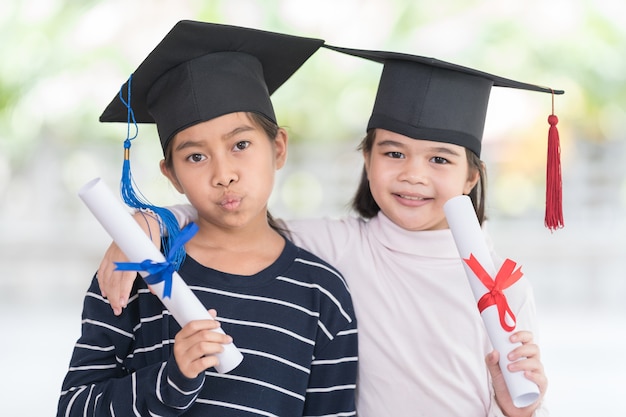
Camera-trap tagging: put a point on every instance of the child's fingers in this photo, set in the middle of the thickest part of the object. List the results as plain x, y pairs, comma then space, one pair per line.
523, 336
527, 358
198, 331
115, 285
104, 271
492, 364
526, 364
197, 326
533, 370
527, 349
196, 346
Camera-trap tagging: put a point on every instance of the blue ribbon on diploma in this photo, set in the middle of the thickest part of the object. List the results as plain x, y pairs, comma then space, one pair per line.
161, 271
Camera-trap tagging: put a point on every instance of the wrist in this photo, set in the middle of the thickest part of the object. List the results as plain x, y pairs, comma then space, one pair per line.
150, 224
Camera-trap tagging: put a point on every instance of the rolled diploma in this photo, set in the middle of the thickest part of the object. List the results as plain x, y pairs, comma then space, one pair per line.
132, 240
469, 239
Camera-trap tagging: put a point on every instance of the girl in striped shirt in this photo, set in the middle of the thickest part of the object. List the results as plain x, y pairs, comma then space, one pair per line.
207, 88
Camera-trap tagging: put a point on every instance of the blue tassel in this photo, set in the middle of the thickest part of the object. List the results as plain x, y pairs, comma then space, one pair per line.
133, 198
160, 271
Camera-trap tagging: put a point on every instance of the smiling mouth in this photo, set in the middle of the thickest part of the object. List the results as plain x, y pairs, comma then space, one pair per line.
412, 197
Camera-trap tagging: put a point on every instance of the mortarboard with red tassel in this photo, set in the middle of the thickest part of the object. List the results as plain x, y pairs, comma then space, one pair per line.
425, 98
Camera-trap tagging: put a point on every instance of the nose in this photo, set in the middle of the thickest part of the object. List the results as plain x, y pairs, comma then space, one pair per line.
224, 173
413, 172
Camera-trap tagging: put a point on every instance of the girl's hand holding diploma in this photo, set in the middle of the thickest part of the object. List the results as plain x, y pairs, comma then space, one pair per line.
196, 346
525, 358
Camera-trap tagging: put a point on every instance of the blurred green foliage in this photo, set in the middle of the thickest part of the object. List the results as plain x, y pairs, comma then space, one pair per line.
63, 60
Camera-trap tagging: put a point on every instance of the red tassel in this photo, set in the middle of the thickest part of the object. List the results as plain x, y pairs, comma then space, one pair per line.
554, 184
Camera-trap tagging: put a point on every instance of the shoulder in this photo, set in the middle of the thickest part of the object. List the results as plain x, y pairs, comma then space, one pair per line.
311, 271
314, 268
328, 289
328, 238
345, 224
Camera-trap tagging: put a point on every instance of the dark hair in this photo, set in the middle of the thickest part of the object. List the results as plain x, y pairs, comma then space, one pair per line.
364, 204
271, 130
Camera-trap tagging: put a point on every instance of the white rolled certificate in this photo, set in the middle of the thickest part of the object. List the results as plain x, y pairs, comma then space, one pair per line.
128, 235
470, 242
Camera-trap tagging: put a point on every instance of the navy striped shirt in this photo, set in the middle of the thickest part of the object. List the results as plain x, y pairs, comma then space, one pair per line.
293, 322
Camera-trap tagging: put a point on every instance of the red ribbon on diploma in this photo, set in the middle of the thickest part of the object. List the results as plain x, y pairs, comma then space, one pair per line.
506, 276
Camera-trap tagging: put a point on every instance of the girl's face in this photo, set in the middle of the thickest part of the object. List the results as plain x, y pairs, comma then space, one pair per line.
411, 179
226, 168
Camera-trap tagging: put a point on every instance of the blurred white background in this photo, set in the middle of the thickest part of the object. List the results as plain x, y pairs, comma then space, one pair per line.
63, 61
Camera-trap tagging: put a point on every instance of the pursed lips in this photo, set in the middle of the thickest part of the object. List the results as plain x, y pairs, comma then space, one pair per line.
230, 202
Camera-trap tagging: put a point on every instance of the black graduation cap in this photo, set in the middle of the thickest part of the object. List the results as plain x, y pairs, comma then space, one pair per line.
425, 98
200, 71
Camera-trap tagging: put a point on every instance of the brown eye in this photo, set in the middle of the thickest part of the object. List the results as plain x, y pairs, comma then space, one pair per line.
196, 157
395, 155
241, 145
